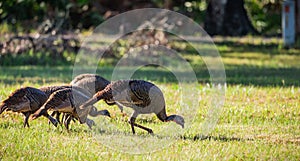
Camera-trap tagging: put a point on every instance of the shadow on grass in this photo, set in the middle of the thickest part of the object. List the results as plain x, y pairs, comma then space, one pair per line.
245, 75
248, 75
216, 138
249, 47
261, 46
192, 138
264, 46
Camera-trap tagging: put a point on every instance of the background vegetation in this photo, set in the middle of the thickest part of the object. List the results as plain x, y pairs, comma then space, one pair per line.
16, 15
260, 118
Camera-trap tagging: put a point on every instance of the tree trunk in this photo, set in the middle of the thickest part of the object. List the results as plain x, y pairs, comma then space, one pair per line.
227, 18
298, 18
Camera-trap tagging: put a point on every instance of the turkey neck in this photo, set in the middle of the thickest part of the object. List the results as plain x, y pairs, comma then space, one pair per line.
162, 116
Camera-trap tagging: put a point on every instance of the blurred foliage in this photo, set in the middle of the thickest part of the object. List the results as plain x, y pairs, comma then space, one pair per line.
37, 58
45, 15
26, 15
265, 15
196, 9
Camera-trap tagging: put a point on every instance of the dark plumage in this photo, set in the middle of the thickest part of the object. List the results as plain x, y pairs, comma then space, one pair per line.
90, 82
68, 100
48, 91
67, 117
24, 100
51, 89
143, 97
93, 83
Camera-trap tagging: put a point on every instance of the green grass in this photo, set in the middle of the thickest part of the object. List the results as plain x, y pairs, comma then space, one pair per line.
256, 123
259, 121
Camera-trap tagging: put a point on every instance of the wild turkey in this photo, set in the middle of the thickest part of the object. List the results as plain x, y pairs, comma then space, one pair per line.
90, 82
93, 83
48, 91
51, 89
25, 100
67, 117
143, 97
67, 101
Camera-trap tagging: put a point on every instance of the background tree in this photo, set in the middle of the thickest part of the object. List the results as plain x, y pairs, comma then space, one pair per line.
228, 17
219, 16
298, 18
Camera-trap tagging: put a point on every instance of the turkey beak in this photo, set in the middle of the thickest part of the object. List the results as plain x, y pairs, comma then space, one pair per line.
108, 114
105, 113
3, 107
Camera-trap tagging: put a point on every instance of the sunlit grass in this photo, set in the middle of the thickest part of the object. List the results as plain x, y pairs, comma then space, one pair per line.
255, 123
259, 120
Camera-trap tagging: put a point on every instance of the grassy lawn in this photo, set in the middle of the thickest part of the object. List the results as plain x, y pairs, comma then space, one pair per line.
260, 118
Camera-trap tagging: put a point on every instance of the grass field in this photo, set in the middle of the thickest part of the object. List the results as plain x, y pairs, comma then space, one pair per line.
260, 118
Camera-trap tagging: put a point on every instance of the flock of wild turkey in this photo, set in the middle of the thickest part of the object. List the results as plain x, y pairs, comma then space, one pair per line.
75, 101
